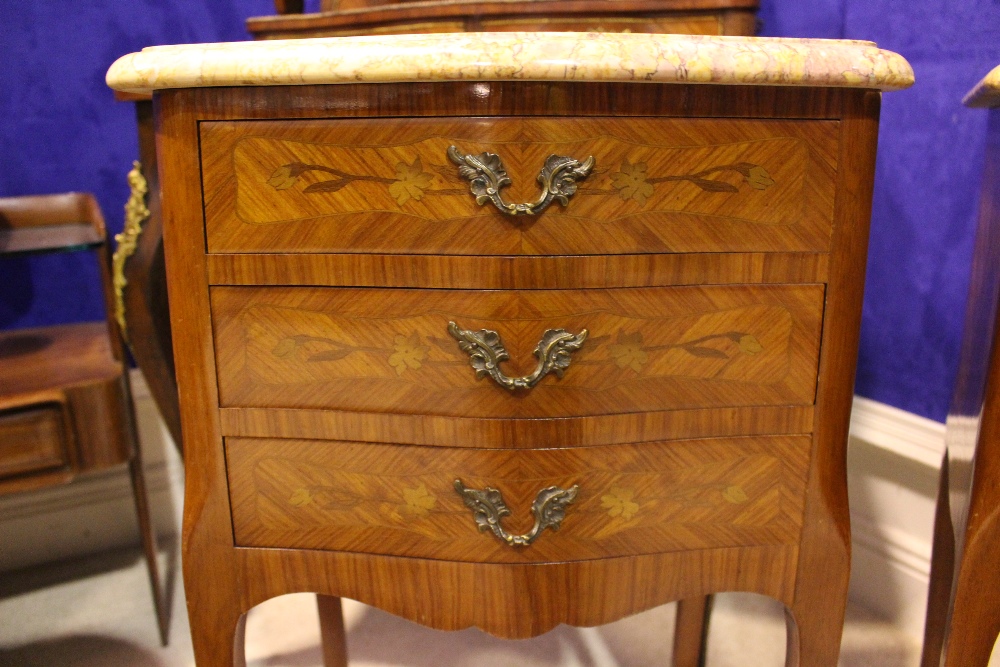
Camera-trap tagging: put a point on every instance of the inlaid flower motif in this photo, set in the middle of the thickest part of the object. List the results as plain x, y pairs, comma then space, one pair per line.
418, 501
300, 498
285, 176
619, 502
749, 344
759, 179
631, 182
627, 351
285, 347
408, 353
735, 494
411, 181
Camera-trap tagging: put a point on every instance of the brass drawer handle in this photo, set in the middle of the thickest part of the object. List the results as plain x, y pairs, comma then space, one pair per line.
486, 175
486, 352
488, 509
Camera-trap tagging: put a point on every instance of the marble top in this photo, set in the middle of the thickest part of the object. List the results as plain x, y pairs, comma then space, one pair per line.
563, 56
987, 92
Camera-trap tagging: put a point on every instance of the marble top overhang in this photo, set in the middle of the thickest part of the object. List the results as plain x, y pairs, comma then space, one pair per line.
987, 92
563, 56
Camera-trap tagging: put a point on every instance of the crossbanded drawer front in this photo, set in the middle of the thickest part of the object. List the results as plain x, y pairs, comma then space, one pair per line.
393, 350
627, 499
389, 185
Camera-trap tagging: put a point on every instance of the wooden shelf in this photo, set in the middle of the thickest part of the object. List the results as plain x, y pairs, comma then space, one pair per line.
50, 238
66, 355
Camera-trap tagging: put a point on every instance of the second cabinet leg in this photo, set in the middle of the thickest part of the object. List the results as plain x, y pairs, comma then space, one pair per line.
331, 627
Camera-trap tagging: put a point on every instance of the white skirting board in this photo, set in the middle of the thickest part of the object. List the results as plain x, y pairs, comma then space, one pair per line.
893, 463
892, 466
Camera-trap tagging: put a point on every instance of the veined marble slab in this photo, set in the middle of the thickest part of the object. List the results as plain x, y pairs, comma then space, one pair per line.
536, 56
987, 92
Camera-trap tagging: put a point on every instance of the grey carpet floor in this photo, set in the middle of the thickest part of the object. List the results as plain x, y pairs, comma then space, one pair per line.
96, 612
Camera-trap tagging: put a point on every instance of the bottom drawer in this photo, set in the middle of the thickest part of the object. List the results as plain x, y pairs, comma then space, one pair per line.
32, 440
629, 499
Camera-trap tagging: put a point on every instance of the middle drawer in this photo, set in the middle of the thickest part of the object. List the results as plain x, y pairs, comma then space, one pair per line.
394, 350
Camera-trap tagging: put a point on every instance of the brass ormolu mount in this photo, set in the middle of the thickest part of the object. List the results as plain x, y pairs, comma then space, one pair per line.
486, 351
488, 508
487, 176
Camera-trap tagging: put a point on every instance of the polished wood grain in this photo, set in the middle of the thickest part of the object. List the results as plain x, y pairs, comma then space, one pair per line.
35, 439
47, 239
633, 499
56, 210
515, 433
65, 402
73, 365
816, 616
515, 601
216, 612
389, 350
373, 17
681, 24
691, 632
519, 98
147, 316
67, 355
480, 272
659, 185
333, 637
665, 5
962, 624
809, 577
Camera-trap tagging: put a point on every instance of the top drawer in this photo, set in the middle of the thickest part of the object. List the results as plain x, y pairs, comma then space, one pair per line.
388, 186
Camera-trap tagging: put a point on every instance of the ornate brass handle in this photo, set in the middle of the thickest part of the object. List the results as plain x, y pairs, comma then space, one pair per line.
486, 175
486, 352
488, 508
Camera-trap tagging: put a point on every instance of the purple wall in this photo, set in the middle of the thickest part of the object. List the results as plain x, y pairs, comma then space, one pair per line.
60, 129
927, 182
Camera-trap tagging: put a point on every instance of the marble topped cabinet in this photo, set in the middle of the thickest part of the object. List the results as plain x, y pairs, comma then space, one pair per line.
513, 330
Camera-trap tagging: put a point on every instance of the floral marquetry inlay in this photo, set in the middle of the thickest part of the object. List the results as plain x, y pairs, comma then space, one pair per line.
629, 351
418, 501
410, 182
444, 502
407, 352
632, 181
359, 349
735, 494
619, 503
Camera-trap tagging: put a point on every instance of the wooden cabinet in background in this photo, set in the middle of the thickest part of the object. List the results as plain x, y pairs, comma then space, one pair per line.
962, 617
65, 404
340, 18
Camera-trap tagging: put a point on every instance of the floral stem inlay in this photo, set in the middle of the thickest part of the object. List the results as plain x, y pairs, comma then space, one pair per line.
632, 182
410, 182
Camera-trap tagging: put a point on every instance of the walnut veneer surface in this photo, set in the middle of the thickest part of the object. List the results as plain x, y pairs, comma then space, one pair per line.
329, 413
